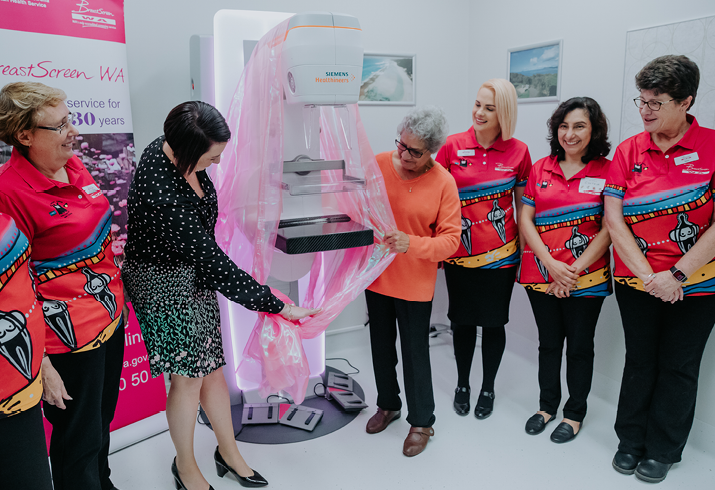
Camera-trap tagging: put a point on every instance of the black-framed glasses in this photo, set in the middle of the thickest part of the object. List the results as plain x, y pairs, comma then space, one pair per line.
61, 127
653, 105
414, 153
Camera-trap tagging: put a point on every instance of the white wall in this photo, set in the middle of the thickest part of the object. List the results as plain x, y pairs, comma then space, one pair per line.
594, 40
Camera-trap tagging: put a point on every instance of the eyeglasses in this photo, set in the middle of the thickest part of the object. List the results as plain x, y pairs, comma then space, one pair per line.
61, 127
653, 105
414, 153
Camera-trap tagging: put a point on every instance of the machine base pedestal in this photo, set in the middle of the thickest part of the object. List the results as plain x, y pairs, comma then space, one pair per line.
334, 418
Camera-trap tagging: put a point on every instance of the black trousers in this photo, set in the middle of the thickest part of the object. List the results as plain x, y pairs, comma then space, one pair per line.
412, 319
79, 447
23, 452
664, 347
572, 319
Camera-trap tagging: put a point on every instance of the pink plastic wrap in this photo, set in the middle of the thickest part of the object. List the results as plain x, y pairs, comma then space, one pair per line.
248, 185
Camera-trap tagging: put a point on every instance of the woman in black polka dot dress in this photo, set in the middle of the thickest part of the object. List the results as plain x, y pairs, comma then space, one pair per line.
172, 271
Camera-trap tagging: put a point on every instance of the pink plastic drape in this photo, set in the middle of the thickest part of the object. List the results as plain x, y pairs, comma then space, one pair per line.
248, 184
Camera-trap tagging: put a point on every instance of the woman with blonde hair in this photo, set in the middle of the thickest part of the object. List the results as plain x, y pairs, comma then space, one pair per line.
490, 168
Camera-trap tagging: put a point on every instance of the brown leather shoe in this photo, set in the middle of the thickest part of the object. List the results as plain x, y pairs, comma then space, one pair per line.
416, 440
381, 420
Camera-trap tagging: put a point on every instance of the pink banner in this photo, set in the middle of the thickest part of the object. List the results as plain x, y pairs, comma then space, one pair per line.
102, 20
140, 395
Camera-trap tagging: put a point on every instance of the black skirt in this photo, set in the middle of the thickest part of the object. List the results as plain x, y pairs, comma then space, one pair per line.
479, 296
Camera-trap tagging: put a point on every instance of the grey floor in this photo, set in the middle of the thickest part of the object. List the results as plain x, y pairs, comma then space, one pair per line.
465, 453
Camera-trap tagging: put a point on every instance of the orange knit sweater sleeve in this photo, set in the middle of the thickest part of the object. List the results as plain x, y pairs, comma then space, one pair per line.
428, 210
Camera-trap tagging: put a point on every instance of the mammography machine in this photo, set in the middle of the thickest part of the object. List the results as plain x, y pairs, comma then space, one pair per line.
321, 65
320, 74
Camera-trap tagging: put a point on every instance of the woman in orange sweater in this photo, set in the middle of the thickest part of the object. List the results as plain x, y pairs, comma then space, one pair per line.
425, 202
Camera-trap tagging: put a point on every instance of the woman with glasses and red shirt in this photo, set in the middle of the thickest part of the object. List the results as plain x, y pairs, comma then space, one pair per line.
425, 203
490, 168
58, 206
659, 211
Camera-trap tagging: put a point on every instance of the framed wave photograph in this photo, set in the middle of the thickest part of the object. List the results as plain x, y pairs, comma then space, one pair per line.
535, 71
387, 79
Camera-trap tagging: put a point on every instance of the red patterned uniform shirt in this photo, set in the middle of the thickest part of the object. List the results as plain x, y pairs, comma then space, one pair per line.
22, 329
568, 216
667, 201
77, 276
486, 179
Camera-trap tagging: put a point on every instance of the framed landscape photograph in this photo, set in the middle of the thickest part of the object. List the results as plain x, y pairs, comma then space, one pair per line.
388, 79
535, 71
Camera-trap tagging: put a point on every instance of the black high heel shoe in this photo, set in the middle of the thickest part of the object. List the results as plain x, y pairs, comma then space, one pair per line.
256, 480
485, 405
461, 400
177, 479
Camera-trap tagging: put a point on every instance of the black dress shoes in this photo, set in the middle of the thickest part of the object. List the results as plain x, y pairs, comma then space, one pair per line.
563, 433
625, 463
536, 424
177, 479
485, 405
461, 400
652, 471
256, 480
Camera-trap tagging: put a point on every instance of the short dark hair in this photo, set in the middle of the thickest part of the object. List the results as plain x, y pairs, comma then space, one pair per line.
674, 75
190, 130
599, 144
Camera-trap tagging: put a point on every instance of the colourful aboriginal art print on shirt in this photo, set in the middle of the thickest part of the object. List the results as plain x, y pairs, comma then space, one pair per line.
77, 275
568, 216
22, 330
667, 201
486, 179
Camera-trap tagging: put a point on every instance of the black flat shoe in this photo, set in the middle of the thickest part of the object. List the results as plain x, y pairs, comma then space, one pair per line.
536, 425
461, 400
625, 463
177, 479
485, 405
256, 480
652, 471
564, 433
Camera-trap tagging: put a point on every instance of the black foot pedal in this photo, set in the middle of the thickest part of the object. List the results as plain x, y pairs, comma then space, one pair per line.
301, 417
260, 413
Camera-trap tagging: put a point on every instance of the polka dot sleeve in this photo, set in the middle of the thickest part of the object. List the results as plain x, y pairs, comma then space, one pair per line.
170, 224
180, 227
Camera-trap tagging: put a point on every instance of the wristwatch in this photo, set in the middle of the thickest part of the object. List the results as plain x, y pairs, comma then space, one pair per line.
678, 274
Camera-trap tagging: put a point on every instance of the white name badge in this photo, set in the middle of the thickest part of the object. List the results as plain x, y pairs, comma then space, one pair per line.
90, 189
465, 153
589, 185
690, 157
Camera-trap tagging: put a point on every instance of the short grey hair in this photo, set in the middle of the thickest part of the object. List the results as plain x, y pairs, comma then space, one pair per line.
429, 124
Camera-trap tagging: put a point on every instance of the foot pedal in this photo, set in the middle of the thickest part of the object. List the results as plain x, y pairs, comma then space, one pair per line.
260, 413
348, 400
340, 381
301, 417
